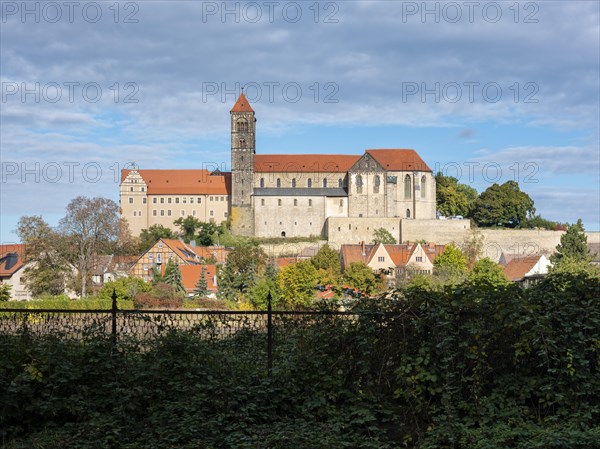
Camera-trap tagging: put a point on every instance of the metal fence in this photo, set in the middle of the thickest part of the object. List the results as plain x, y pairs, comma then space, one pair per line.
249, 331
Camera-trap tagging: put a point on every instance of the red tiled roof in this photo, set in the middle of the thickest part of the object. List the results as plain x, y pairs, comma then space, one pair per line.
242, 104
304, 163
354, 253
220, 253
186, 182
191, 273
399, 160
183, 250
11, 259
517, 268
399, 253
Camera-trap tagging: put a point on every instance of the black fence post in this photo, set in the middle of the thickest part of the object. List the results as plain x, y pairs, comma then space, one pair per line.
269, 335
114, 317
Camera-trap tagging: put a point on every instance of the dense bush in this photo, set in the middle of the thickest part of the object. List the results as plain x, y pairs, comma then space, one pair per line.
162, 296
478, 366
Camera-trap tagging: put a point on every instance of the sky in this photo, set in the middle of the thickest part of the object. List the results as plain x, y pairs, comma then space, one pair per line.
484, 91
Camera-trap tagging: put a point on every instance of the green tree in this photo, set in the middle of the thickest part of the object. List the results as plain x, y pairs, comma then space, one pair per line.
188, 227
382, 235
297, 283
572, 246
46, 267
451, 257
327, 259
173, 276
5, 292
359, 276
227, 283
260, 291
452, 197
201, 288
246, 258
503, 205
153, 234
126, 288
488, 272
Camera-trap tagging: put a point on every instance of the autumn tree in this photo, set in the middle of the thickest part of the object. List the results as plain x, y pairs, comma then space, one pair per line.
46, 267
297, 284
90, 227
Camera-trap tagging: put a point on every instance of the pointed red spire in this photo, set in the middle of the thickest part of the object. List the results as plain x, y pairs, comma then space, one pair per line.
242, 105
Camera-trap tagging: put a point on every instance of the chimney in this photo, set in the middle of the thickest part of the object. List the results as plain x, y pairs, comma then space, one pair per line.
362, 246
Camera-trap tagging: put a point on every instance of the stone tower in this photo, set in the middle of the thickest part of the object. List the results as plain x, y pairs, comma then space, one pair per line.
243, 148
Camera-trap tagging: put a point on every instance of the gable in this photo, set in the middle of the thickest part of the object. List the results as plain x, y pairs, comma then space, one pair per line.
366, 164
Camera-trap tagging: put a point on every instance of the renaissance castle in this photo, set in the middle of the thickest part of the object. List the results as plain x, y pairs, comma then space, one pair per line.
285, 195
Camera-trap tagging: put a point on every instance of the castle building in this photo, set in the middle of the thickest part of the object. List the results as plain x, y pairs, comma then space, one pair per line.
284, 195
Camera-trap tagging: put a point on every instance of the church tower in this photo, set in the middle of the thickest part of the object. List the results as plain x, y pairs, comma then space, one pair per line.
243, 148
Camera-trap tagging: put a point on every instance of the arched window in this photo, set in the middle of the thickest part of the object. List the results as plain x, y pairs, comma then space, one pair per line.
423, 185
262, 182
376, 183
324, 183
294, 183
278, 183
242, 126
407, 213
407, 187
242, 143
340, 183
359, 184
309, 183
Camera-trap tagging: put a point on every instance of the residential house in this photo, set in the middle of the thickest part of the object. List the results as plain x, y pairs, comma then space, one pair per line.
11, 270
190, 274
527, 270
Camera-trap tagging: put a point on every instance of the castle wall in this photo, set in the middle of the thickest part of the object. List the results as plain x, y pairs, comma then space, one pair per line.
342, 230
300, 216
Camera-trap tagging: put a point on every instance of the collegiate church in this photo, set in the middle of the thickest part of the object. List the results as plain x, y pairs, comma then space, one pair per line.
285, 195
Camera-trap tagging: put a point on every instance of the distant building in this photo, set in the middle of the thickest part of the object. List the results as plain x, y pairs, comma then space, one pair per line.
11, 270
110, 267
190, 274
527, 270
179, 252
283, 195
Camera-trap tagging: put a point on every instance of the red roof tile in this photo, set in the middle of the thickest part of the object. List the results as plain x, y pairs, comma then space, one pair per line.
191, 273
517, 268
399, 160
242, 104
11, 259
184, 182
304, 163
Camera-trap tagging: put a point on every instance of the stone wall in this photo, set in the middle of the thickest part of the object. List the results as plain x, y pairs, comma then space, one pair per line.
342, 230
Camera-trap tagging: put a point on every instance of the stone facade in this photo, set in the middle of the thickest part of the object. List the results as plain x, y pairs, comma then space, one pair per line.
284, 195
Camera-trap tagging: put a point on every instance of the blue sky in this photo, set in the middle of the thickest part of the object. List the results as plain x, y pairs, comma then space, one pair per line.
509, 90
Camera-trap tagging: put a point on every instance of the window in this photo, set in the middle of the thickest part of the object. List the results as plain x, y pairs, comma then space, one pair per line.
242, 126
341, 203
325, 183
135, 213
131, 189
162, 201
278, 183
143, 189
423, 184
177, 200
169, 200
211, 198
144, 200
376, 183
407, 187
183, 200
340, 183
130, 200
212, 213
150, 256
199, 200
242, 145
419, 258
154, 213
407, 213
145, 267
162, 212
295, 202
191, 200
153, 200
293, 183
182, 213
225, 214
380, 259
194, 213
262, 183
310, 203
309, 183
262, 202
279, 202
169, 213
359, 184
